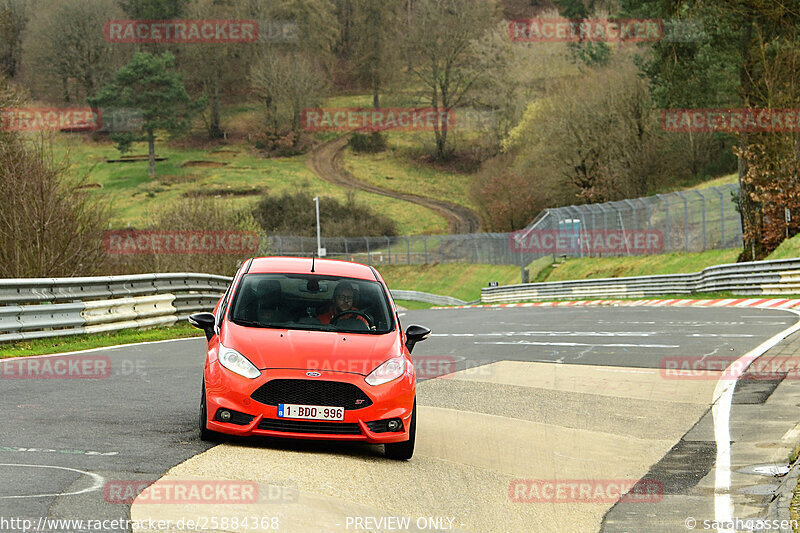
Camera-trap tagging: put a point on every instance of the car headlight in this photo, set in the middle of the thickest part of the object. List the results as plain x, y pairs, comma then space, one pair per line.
236, 362
386, 372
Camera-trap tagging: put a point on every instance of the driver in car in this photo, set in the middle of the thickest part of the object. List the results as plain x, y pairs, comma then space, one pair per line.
343, 297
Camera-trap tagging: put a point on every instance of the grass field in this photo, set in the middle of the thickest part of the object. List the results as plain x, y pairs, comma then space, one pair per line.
392, 170
100, 340
615, 267
218, 172
459, 280
788, 248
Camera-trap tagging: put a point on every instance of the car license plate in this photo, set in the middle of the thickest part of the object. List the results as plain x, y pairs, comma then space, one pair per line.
310, 412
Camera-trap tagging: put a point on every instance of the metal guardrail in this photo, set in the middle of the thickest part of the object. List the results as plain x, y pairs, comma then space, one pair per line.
416, 296
54, 307
71, 306
756, 278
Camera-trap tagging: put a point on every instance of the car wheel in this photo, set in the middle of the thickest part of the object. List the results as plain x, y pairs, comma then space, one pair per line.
403, 451
206, 434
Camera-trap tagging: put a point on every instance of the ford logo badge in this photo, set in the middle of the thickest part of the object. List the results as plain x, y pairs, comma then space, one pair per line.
313, 374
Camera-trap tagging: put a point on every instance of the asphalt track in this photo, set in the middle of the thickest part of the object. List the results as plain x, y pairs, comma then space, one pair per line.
525, 393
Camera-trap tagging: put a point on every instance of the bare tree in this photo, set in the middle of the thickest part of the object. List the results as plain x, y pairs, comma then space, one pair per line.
66, 55
599, 133
287, 84
439, 43
376, 56
216, 70
13, 19
49, 226
514, 74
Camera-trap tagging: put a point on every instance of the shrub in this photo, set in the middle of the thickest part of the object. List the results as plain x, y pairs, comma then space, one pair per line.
192, 214
373, 143
294, 213
49, 225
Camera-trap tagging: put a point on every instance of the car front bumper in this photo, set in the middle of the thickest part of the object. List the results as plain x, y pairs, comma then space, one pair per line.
226, 390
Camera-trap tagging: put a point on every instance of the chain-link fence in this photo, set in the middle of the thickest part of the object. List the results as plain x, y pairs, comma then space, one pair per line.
490, 248
691, 221
695, 220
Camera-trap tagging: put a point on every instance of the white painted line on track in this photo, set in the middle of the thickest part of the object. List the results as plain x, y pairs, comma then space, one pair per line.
534, 343
97, 485
721, 411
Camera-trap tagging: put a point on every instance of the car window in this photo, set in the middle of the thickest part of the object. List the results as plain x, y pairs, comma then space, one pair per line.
311, 302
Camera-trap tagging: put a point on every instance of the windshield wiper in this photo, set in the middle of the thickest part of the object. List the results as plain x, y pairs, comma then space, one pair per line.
250, 323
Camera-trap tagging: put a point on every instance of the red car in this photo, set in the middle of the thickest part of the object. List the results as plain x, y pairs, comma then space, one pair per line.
309, 349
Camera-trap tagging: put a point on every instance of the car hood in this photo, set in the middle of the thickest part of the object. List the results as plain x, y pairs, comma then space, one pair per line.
312, 350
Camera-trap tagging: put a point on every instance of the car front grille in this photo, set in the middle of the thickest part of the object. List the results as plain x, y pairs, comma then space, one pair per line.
298, 426
312, 392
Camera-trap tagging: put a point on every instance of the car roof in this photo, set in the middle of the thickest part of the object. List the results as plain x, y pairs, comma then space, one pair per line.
302, 265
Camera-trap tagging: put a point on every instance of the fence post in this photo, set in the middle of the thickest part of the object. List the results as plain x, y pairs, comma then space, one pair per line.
280, 245
408, 250
425, 240
685, 219
369, 259
721, 216
389, 249
346, 252
633, 208
649, 215
666, 203
703, 209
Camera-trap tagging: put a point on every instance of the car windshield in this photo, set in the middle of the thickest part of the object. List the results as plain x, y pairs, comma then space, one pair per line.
310, 302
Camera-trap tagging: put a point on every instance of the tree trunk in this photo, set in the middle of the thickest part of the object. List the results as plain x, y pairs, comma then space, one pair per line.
748, 210
151, 143
214, 128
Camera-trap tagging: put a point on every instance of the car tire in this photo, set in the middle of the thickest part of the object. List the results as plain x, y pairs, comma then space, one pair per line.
206, 435
403, 451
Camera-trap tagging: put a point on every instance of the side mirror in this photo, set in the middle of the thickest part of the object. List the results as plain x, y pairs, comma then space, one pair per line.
204, 321
415, 334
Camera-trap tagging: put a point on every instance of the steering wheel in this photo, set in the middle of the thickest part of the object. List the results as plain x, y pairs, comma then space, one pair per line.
368, 318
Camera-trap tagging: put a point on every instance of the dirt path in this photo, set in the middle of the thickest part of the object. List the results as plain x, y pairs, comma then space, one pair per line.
326, 162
